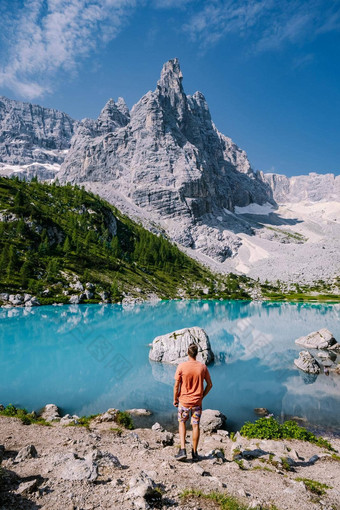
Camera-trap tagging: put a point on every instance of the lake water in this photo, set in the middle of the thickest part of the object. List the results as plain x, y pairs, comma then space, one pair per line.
88, 358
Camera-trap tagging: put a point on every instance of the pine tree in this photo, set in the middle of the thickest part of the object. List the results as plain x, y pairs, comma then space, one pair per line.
67, 246
4, 258
52, 268
25, 273
115, 248
20, 230
19, 199
12, 261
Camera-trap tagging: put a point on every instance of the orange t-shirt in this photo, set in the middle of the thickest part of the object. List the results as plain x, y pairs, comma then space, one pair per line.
191, 374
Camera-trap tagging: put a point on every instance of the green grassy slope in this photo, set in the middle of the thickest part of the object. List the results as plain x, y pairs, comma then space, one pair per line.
52, 235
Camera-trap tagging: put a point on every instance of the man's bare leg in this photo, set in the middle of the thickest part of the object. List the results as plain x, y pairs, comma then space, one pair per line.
195, 436
182, 433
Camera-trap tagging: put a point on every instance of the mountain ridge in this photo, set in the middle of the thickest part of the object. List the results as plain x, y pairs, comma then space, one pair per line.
165, 164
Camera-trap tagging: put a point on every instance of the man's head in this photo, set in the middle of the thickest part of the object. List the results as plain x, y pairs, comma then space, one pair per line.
192, 351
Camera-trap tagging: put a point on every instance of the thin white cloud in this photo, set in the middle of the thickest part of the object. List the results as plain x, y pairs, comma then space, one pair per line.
47, 37
170, 4
264, 24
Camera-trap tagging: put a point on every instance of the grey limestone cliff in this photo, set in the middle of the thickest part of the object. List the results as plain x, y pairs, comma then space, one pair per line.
312, 187
33, 134
168, 159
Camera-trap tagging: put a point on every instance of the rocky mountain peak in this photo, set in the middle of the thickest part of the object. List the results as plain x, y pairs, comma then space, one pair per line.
32, 134
112, 117
122, 107
171, 77
170, 90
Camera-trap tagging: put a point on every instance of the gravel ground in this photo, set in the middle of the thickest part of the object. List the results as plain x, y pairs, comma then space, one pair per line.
122, 484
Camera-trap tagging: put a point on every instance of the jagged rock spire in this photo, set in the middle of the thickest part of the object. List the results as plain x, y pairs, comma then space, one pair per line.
111, 117
170, 88
171, 77
122, 107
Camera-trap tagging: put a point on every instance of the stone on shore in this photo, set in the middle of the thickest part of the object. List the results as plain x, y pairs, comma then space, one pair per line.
68, 419
139, 412
143, 491
322, 339
307, 363
212, 420
27, 488
73, 468
173, 347
108, 416
28, 452
50, 413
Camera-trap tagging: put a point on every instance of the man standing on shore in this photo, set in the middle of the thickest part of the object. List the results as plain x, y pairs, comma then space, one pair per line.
189, 392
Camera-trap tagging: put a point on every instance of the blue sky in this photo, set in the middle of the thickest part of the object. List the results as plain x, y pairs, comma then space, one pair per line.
270, 70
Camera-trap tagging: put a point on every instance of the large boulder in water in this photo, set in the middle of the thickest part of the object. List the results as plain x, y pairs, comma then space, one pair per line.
307, 363
322, 339
173, 347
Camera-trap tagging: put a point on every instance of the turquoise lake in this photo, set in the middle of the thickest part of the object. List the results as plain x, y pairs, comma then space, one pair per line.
89, 358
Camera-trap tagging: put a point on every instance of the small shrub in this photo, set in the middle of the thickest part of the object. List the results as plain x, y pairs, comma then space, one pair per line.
84, 421
269, 428
225, 501
285, 464
240, 463
22, 414
9, 410
314, 486
117, 430
123, 418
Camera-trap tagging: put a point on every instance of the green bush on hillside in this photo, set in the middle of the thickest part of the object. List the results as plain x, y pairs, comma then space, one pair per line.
269, 428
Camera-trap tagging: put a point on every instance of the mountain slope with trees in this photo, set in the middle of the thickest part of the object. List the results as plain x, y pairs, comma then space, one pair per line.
54, 239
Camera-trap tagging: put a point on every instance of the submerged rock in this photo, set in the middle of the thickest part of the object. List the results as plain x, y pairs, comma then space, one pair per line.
322, 339
139, 412
173, 347
307, 363
261, 411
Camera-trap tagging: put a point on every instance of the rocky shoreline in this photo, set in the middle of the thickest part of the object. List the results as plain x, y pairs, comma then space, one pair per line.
105, 466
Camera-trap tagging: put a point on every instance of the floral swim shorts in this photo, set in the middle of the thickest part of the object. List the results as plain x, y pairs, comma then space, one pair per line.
184, 412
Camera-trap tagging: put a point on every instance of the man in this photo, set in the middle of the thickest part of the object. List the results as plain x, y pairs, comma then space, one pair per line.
189, 392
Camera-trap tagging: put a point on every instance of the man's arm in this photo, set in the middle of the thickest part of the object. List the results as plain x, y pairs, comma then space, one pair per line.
209, 384
177, 390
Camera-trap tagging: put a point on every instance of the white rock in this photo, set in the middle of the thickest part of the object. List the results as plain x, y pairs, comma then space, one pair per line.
142, 488
28, 452
50, 413
27, 488
322, 339
75, 300
212, 420
72, 468
157, 427
173, 347
109, 415
139, 412
307, 363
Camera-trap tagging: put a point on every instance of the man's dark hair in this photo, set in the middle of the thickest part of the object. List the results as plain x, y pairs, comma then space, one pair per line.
192, 350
